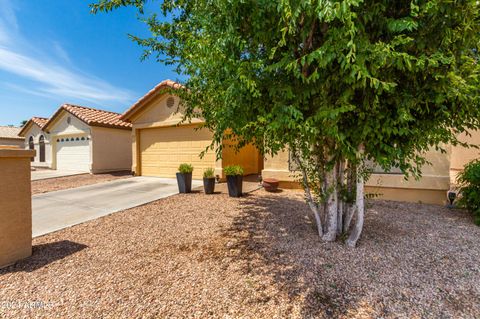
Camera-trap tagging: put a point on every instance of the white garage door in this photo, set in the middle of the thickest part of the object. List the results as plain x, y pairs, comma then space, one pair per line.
73, 153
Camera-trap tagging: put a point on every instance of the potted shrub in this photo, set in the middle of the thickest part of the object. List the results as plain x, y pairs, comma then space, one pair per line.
184, 178
234, 175
209, 180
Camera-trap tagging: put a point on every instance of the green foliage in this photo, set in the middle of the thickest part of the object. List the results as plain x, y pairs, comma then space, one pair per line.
185, 168
469, 189
233, 170
335, 83
209, 173
323, 77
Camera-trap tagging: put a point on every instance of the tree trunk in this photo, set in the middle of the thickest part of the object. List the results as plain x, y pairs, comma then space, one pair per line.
308, 194
350, 207
360, 210
331, 207
341, 204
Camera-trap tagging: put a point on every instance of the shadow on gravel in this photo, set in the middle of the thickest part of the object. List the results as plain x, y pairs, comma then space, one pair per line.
44, 254
405, 250
275, 238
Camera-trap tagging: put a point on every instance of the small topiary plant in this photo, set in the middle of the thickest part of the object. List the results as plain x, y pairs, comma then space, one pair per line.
469, 189
185, 168
209, 173
233, 170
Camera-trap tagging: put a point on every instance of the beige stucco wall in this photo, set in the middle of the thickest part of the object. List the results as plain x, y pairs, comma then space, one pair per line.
431, 188
277, 167
35, 131
15, 205
425, 196
111, 149
135, 144
61, 127
462, 155
157, 114
12, 142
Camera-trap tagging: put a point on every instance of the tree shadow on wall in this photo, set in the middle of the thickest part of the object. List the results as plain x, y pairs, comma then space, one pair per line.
43, 255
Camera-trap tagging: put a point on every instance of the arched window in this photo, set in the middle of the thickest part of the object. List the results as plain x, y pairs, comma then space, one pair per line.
41, 142
31, 146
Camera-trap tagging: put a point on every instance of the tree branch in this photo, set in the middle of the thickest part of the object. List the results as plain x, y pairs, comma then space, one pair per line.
311, 203
360, 206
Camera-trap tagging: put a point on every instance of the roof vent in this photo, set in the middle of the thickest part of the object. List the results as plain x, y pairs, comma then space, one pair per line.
170, 102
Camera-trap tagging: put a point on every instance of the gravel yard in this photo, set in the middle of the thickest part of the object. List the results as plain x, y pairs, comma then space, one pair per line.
56, 184
204, 256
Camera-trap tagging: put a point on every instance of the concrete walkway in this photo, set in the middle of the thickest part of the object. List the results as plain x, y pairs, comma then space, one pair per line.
61, 209
53, 173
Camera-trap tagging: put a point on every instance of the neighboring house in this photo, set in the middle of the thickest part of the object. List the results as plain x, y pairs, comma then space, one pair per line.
9, 136
160, 143
431, 188
86, 139
34, 138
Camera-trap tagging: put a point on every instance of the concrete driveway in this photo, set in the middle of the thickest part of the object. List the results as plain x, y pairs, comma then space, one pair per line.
61, 209
53, 173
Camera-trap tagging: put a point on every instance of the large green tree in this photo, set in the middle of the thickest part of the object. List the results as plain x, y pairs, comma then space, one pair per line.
335, 83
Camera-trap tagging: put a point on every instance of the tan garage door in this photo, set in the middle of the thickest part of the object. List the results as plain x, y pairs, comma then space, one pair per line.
162, 150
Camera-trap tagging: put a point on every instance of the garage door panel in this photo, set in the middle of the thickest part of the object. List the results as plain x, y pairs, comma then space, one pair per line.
73, 153
162, 150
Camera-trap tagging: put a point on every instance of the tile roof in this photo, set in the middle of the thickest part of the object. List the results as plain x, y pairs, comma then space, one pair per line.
159, 88
10, 132
93, 117
40, 121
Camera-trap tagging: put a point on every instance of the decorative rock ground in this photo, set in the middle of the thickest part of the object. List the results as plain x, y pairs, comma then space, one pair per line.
204, 256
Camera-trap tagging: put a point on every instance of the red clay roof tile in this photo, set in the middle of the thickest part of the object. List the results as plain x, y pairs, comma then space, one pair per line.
150, 94
93, 117
40, 121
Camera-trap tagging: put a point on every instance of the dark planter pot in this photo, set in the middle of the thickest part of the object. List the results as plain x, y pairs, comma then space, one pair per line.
184, 182
234, 183
209, 185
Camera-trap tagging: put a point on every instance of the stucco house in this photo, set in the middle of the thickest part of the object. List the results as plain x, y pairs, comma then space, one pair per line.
87, 139
431, 188
9, 136
160, 142
80, 138
34, 138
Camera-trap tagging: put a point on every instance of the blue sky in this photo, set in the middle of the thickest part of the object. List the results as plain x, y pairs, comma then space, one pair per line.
54, 52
